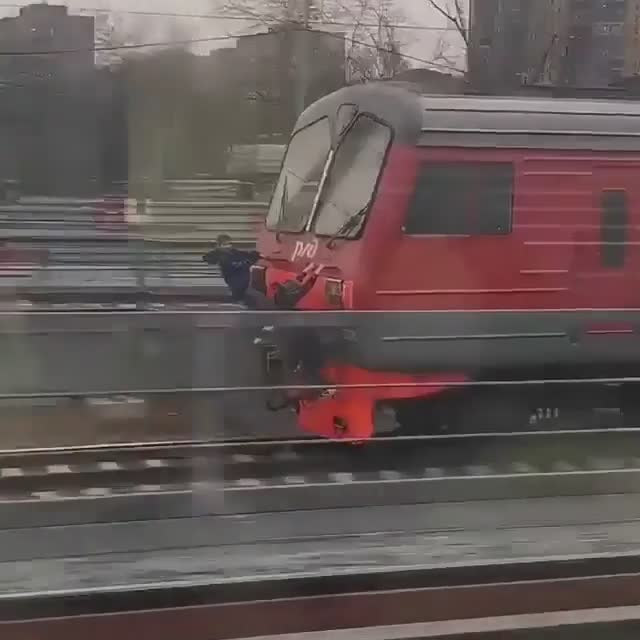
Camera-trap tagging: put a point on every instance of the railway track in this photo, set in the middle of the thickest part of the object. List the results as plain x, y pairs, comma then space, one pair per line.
150, 303
575, 595
277, 475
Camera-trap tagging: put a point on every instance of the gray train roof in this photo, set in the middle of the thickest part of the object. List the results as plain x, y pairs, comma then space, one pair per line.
471, 121
490, 122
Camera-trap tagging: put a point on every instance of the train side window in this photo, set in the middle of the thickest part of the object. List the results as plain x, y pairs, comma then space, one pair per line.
614, 218
462, 198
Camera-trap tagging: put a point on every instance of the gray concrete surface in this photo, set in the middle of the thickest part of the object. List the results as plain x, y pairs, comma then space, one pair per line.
48, 364
93, 277
331, 556
96, 534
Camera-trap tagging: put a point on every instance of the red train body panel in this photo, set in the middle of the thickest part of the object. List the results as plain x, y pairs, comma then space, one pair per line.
495, 235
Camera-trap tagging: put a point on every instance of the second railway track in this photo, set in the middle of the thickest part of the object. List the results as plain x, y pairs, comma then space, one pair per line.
285, 475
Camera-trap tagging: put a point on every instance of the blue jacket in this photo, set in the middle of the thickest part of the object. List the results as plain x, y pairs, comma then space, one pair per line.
235, 266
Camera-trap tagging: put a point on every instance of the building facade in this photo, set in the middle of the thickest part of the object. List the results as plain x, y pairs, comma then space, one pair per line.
497, 44
596, 50
547, 42
577, 43
273, 76
48, 102
632, 39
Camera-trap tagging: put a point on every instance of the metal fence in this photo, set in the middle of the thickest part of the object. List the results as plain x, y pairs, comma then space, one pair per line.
209, 190
154, 238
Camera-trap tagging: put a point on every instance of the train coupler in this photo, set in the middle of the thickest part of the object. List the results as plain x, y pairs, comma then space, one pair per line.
280, 399
339, 414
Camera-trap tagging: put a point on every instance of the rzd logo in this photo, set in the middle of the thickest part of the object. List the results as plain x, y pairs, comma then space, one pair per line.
305, 250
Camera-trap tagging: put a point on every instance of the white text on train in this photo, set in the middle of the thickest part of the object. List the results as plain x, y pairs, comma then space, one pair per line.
305, 250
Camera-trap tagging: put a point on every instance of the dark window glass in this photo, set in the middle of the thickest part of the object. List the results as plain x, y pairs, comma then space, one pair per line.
300, 177
462, 199
614, 215
353, 177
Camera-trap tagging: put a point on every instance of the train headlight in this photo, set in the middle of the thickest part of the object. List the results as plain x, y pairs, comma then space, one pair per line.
334, 292
258, 279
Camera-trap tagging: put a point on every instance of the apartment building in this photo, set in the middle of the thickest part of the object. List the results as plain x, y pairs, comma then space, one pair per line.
578, 43
596, 48
47, 102
497, 43
547, 42
632, 39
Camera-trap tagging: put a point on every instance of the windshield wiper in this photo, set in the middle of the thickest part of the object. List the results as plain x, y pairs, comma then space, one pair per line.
349, 224
283, 206
283, 200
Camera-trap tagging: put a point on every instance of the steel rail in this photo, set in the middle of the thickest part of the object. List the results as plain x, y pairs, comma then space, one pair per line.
406, 454
113, 295
148, 445
312, 441
152, 391
557, 625
226, 610
171, 493
291, 474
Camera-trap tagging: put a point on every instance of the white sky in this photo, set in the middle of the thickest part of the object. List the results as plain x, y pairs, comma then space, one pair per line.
416, 12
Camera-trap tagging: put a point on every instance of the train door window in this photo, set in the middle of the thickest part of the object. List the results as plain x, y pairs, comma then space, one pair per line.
614, 218
462, 198
300, 177
353, 177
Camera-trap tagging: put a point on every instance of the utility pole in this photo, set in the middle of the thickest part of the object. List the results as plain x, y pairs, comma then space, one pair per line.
380, 55
302, 48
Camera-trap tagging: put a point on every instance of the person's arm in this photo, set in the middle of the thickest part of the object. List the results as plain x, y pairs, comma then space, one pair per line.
211, 257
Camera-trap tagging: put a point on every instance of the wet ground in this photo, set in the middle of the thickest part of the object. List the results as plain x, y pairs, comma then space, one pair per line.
77, 423
66, 422
297, 558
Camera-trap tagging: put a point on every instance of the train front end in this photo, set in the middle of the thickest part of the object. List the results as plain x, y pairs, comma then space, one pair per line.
347, 169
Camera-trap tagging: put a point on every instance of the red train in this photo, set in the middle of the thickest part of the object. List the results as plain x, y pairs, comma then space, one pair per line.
499, 236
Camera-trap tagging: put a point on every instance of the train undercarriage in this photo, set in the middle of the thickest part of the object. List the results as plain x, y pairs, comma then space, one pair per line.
342, 401
570, 376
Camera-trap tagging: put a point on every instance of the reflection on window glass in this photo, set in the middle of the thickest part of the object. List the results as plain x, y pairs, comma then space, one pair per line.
353, 176
299, 180
462, 198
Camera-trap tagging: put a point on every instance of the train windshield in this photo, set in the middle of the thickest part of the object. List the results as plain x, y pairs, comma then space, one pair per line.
352, 179
300, 177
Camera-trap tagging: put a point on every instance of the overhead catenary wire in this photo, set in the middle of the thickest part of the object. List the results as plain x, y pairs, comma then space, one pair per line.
265, 20
245, 18
190, 41
119, 47
394, 52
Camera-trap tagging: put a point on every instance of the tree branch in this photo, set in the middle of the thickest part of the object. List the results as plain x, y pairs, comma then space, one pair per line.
455, 15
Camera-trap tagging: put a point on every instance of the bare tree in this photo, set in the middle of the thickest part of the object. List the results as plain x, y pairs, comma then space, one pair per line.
373, 50
109, 33
447, 52
114, 32
260, 13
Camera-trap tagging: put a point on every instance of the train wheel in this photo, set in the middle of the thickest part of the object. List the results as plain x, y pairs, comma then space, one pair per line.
434, 416
495, 411
465, 411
